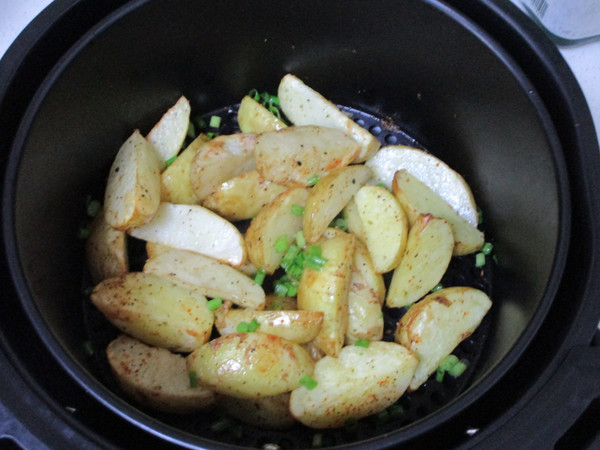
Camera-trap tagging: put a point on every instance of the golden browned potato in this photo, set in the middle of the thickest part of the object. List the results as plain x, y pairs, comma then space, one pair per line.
176, 184
132, 193
276, 219
250, 365
428, 253
417, 198
271, 413
208, 276
295, 326
155, 377
436, 174
367, 292
329, 196
155, 310
194, 228
293, 156
242, 197
327, 289
305, 106
433, 327
167, 136
219, 160
106, 250
255, 118
383, 226
360, 382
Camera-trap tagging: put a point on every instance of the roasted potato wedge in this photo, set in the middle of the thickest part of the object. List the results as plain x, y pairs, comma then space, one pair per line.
271, 413
328, 198
327, 289
219, 160
295, 326
168, 134
155, 377
243, 196
194, 228
293, 156
360, 382
274, 220
274, 302
175, 181
207, 275
366, 295
432, 171
416, 199
433, 327
305, 106
132, 193
155, 310
428, 252
250, 365
106, 250
384, 226
255, 118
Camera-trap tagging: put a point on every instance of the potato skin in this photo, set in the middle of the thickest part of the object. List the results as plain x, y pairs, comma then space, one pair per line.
106, 250
434, 326
360, 382
132, 192
293, 155
271, 413
250, 365
155, 310
327, 289
155, 377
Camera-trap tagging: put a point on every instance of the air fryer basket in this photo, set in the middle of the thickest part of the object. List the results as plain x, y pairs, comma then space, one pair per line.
420, 64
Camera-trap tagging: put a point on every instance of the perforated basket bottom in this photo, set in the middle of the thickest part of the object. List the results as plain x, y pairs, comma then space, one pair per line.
431, 396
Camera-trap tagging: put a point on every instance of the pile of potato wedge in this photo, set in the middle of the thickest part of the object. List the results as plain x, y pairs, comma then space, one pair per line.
200, 329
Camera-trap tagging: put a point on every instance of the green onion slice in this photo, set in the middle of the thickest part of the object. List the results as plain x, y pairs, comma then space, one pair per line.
214, 303
362, 343
170, 161
313, 180
308, 382
259, 277
215, 122
298, 210
479, 259
281, 244
193, 379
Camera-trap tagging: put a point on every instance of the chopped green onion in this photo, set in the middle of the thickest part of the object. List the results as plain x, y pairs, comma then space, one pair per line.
281, 244
314, 250
479, 260
340, 223
457, 369
317, 440
88, 348
313, 180
362, 343
191, 131
84, 231
253, 325
243, 327
280, 289
298, 210
487, 248
437, 287
445, 366
193, 379
221, 424
215, 303
215, 122
211, 135
308, 382
259, 278
381, 185
314, 262
92, 207
396, 411
254, 94
170, 161
300, 241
